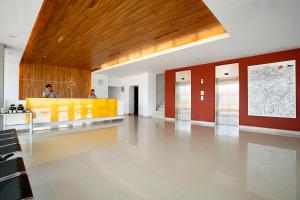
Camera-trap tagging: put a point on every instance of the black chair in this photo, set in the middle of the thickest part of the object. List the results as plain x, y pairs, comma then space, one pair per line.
9, 141
17, 187
11, 167
8, 151
8, 131
7, 134
9, 144
14, 182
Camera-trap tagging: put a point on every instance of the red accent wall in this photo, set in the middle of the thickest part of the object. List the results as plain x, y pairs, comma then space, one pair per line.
170, 94
205, 110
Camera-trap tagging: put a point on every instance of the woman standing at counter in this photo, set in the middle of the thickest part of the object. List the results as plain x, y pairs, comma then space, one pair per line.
48, 92
92, 95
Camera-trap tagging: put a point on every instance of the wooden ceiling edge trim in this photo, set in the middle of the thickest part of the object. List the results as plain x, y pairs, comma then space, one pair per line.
93, 70
107, 65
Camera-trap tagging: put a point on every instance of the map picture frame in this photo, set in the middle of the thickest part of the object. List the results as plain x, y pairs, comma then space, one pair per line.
272, 89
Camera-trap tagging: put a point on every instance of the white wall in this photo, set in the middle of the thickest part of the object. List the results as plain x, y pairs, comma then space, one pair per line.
11, 73
131, 100
1, 77
151, 93
12, 58
11, 80
114, 92
114, 82
100, 90
140, 81
147, 93
160, 88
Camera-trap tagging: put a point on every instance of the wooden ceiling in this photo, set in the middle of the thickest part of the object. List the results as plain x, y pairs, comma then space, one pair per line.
94, 34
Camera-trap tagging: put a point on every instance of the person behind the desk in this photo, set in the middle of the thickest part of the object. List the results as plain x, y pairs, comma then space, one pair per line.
48, 92
92, 95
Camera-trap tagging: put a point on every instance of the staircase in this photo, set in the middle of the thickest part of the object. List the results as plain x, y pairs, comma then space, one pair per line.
160, 111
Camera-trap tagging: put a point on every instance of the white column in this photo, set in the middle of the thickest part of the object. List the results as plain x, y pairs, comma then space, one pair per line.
1, 82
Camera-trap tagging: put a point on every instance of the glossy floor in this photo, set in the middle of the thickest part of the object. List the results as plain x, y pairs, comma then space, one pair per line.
154, 159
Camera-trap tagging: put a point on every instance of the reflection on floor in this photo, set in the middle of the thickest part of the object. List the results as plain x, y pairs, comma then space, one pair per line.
154, 159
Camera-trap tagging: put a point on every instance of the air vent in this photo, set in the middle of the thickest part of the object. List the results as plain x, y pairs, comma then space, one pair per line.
113, 54
93, 3
12, 36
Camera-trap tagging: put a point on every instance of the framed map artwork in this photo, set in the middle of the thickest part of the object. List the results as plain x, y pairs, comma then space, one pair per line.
272, 89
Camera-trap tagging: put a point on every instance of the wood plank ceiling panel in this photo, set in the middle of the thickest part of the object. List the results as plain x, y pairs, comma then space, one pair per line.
34, 77
96, 33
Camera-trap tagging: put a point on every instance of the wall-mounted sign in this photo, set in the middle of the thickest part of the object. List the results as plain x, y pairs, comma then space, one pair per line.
227, 71
183, 76
100, 82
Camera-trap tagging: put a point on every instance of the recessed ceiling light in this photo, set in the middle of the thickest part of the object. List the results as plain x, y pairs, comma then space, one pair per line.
60, 39
12, 36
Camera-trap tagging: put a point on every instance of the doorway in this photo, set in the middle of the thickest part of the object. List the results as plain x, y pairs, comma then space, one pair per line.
227, 101
136, 100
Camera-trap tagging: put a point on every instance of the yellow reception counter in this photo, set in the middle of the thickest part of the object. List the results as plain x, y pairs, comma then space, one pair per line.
59, 109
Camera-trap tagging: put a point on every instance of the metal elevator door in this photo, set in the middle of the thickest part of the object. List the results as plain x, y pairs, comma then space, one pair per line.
183, 100
227, 101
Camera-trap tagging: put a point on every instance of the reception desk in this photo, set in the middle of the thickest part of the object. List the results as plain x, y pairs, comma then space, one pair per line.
60, 109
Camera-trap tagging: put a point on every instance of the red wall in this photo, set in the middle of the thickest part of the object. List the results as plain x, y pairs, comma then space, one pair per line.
170, 94
205, 110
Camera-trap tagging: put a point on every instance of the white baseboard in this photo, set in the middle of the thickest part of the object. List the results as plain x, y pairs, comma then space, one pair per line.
270, 131
139, 115
203, 123
128, 114
72, 122
199, 123
145, 116
169, 119
248, 128
158, 117
72, 130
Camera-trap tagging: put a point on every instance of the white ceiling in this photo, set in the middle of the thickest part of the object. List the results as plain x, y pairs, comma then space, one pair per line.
255, 27
17, 18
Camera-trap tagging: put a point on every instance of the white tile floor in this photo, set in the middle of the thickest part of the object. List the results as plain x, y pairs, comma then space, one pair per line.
153, 159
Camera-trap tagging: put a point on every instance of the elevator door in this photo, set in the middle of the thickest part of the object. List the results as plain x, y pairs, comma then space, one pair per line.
183, 100
227, 104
